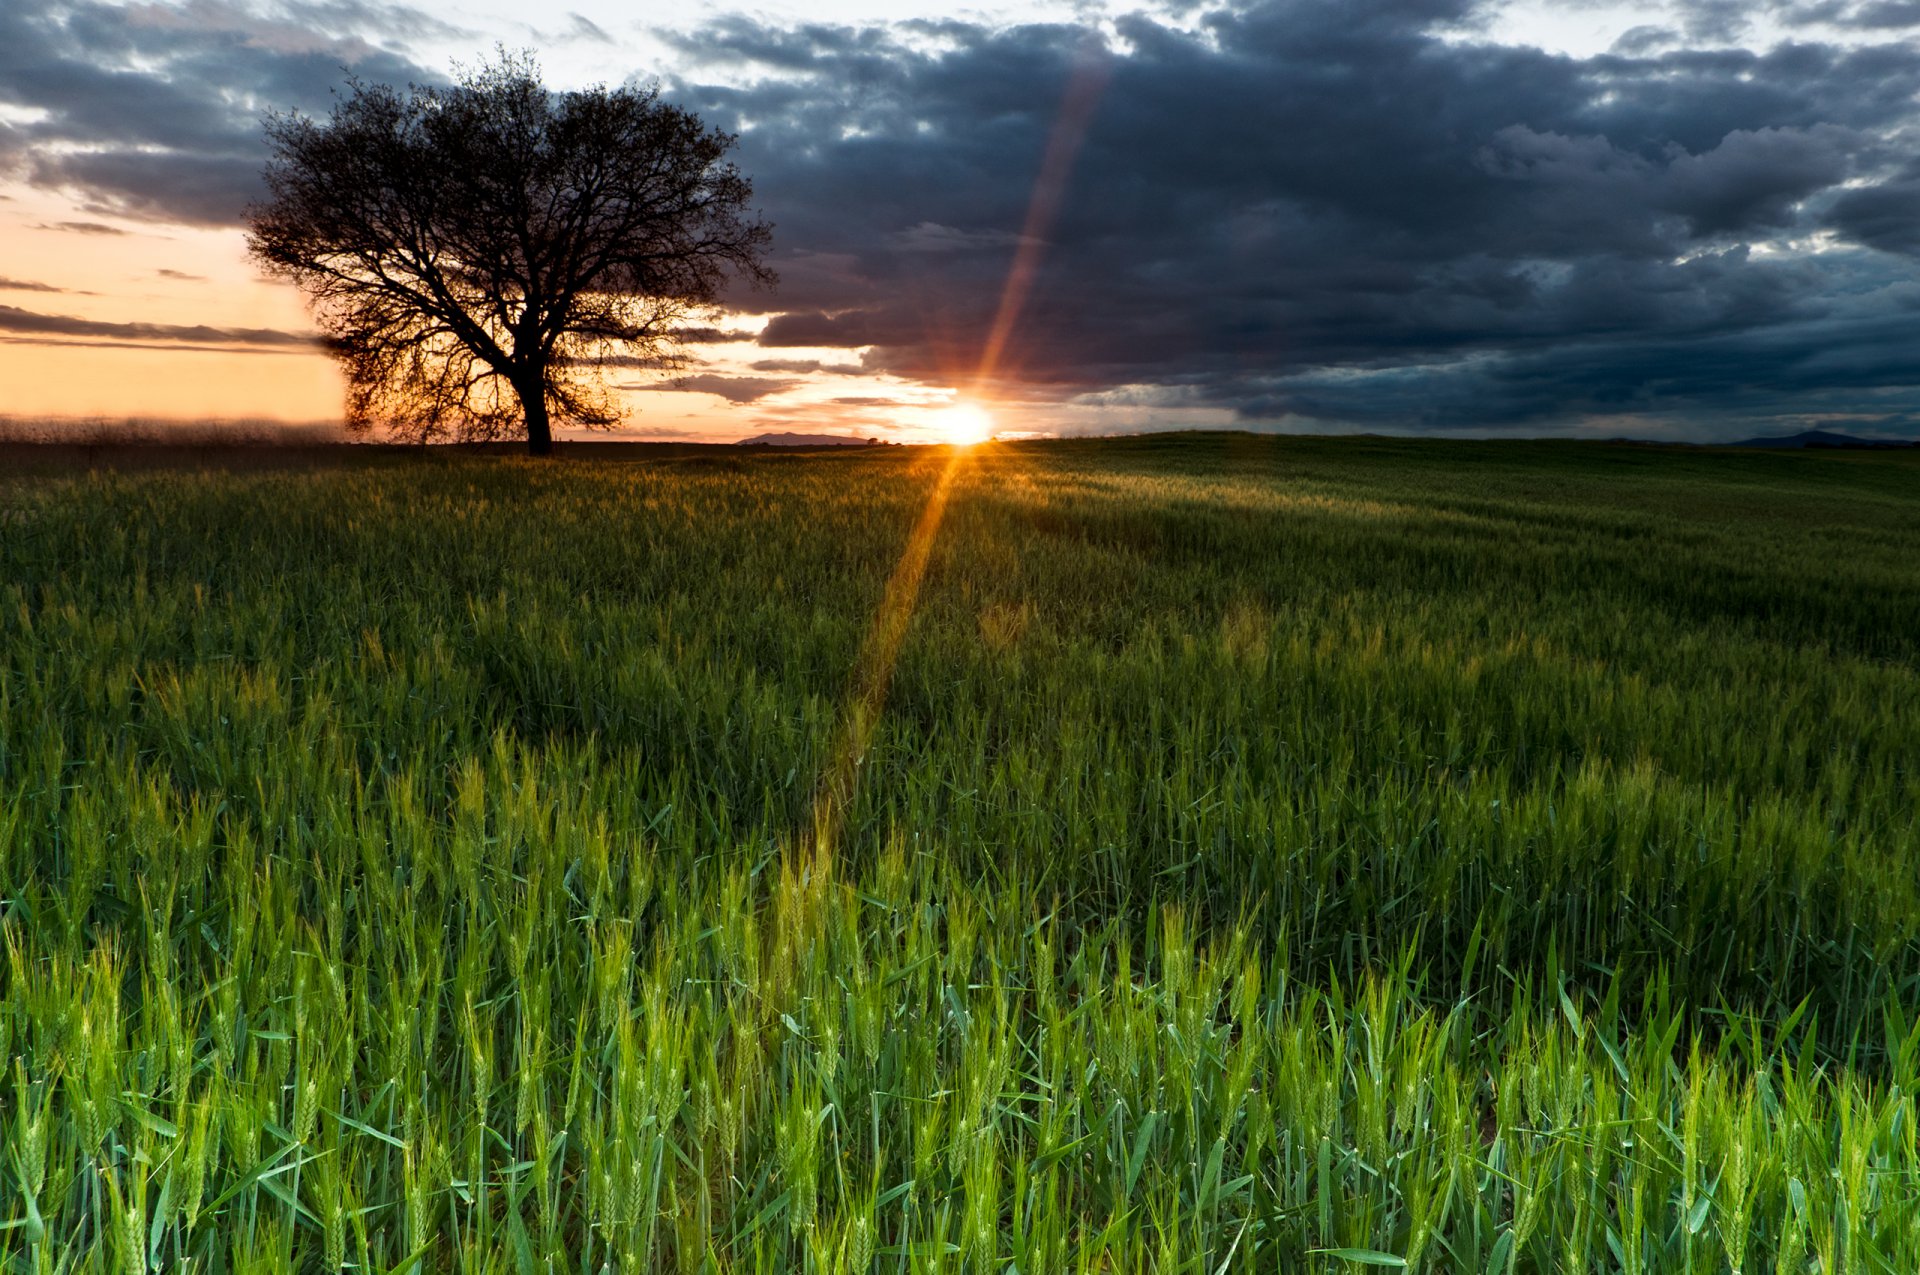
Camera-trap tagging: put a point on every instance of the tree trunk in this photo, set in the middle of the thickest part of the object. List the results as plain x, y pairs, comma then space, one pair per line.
533, 401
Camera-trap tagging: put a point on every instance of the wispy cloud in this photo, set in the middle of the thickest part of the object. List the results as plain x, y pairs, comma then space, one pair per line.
80, 227
26, 285
735, 389
801, 367
35, 324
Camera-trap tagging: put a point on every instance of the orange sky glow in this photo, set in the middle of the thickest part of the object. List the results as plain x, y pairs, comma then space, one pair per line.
108, 270
119, 319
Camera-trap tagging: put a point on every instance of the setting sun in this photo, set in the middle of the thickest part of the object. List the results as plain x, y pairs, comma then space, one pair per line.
964, 424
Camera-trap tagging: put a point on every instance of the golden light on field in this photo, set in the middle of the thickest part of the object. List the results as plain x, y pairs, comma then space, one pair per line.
964, 424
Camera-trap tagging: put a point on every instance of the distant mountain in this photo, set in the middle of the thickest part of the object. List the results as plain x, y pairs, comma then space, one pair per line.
1822, 438
803, 440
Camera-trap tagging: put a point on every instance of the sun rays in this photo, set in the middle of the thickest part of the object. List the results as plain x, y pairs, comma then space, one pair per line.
839, 780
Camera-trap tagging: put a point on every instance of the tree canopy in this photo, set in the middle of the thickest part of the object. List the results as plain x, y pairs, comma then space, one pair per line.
478, 255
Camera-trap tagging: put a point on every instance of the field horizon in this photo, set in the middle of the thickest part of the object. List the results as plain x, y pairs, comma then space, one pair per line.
184, 444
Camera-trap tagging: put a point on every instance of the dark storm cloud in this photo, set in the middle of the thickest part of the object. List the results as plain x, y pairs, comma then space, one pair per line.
1316, 211
32, 323
1797, 370
153, 110
1885, 215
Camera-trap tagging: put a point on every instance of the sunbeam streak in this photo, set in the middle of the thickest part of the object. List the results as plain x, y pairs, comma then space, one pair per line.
839, 781
1083, 94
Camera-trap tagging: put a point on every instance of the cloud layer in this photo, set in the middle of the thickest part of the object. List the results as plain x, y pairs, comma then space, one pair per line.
153, 109
1309, 212
1315, 212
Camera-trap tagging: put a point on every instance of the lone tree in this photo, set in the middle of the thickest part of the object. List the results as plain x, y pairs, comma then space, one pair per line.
476, 255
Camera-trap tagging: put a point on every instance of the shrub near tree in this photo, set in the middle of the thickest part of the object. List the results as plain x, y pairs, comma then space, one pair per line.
477, 254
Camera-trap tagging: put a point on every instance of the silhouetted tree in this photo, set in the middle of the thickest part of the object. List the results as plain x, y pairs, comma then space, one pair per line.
477, 254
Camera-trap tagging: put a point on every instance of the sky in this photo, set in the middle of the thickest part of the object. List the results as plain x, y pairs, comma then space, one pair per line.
1689, 221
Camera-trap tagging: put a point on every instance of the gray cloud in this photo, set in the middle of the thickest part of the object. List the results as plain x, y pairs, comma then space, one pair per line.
580, 27
930, 236
26, 285
80, 227
801, 367
1873, 15
1885, 215
735, 389
153, 111
875, 400
32, 323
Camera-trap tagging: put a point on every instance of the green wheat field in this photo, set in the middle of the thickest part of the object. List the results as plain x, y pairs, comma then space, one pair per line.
1191, 854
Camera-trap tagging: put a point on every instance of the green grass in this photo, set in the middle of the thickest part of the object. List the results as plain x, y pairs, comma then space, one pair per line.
1268, 855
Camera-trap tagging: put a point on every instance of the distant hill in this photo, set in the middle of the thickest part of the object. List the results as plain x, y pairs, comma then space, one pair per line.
803, 440
1822, 438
